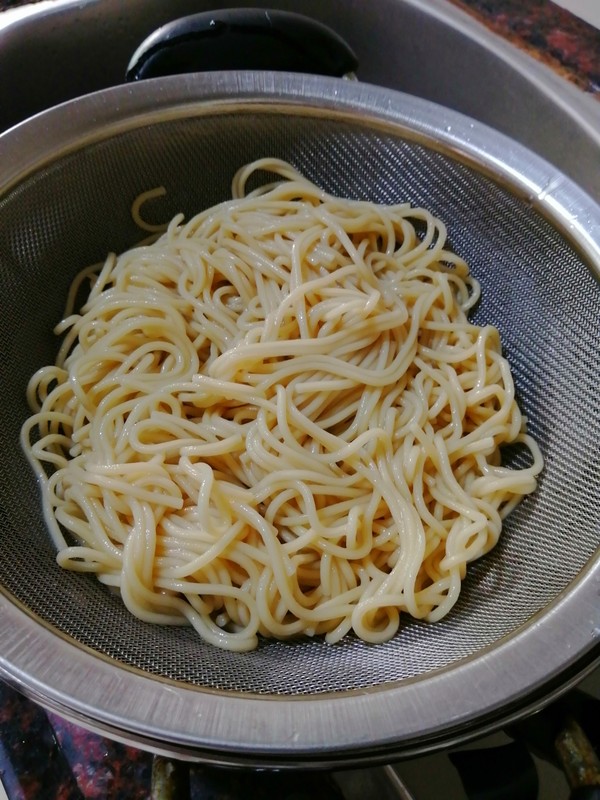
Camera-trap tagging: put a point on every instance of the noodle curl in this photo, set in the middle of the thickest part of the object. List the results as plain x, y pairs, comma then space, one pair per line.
277, 420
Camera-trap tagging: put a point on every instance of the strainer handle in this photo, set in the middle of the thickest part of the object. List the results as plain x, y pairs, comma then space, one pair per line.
242, 39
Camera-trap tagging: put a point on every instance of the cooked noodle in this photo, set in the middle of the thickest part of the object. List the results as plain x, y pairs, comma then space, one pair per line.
277, 420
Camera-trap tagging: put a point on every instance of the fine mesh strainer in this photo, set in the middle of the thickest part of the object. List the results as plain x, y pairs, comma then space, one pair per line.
528, 618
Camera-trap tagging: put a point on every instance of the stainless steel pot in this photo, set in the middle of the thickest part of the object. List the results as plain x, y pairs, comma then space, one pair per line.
57, 51
528, 622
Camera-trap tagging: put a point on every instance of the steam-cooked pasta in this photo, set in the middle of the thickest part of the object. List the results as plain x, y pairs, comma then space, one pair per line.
276, 420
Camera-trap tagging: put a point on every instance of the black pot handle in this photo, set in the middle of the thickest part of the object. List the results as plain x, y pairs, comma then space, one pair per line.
242, 38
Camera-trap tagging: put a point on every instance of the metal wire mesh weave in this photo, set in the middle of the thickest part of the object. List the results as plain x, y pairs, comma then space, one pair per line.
536, 289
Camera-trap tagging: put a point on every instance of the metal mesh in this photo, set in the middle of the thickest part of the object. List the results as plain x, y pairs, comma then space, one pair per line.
536, 289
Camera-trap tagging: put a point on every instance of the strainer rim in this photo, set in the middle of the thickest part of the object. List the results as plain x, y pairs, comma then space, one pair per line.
139, 707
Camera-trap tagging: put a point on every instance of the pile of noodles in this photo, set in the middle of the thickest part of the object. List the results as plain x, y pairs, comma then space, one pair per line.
277, 420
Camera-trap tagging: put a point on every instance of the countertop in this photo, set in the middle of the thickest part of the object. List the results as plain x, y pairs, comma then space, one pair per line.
548, 33
45, 756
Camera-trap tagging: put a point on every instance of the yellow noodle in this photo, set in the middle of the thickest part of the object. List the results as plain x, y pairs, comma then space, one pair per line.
276, 419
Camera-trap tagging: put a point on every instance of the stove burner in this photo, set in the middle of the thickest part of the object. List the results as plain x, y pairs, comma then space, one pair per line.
44, 755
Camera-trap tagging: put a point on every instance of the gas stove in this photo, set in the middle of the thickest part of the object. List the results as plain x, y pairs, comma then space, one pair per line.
44, 755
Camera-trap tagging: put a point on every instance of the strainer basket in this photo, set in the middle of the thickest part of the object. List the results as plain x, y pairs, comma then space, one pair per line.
528, 619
